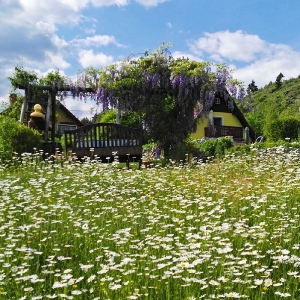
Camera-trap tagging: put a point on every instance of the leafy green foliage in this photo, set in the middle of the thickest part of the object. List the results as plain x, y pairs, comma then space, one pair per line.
86, 121
270, 104
16, 137
23, 77
109, 116
164, 93
53, 78
209, 147
130, 118
222, 145
287, 127
252, 87
278, 81
13, 109
239, 150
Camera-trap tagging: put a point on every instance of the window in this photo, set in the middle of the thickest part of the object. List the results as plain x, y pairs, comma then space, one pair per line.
62, 127
218, 121
217, 101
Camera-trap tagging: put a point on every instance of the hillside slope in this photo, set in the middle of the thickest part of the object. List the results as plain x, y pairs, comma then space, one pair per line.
270, 102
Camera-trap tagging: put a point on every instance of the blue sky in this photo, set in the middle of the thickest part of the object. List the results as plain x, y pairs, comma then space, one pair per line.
257, 38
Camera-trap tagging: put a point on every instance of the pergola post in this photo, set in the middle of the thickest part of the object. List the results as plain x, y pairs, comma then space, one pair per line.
47, 118
25, 102
53, 104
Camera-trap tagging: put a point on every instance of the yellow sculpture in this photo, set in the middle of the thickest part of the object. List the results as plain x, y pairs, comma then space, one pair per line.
37, 112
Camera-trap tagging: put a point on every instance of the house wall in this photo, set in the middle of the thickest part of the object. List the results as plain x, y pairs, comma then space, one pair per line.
228, 120
63, 118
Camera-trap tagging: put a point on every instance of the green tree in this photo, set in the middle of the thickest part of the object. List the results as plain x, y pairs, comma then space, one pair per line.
252, 87
13, 108
279, 129
86, 121
22, 77
279, 79
53, 77
164, 93
129, 118
109, 116
16, 138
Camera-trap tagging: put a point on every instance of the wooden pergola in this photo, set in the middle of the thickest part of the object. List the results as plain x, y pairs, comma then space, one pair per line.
51, 104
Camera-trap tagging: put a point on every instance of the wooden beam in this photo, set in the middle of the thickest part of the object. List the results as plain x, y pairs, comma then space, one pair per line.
58, 89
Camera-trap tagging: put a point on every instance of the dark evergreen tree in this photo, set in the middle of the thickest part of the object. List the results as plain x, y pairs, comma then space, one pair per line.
252, 87
279, 80
86, 121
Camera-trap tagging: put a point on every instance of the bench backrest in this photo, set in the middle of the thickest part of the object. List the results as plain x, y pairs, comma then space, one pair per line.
101, 135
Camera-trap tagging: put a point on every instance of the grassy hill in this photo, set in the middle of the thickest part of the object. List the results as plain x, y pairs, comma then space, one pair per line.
270, 103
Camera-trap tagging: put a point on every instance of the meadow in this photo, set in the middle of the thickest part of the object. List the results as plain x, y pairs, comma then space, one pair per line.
222, 229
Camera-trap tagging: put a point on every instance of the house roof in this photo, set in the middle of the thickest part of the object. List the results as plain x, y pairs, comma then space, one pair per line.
237, 112
243, 121
70, 114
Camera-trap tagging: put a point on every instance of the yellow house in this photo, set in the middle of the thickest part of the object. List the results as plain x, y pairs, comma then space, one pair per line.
65, 120
222, 122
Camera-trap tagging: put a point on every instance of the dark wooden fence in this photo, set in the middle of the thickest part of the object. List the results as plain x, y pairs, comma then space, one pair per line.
105, 140
221, 131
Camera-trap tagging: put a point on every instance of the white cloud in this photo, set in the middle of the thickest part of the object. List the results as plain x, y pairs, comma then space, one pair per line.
109, 2
97, 40
90, 30
87, 58
55, 59
30, 34
27, 13
178, 54
254, 58
229, 45
150, 2
79, 108
169, 24
45, 27
267, 68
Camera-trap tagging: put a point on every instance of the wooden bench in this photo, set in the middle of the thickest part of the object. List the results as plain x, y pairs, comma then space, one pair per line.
105, 140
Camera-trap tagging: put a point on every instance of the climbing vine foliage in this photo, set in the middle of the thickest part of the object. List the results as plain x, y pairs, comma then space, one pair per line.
169, 94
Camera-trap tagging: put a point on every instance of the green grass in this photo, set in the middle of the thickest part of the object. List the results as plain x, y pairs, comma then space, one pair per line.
226, 229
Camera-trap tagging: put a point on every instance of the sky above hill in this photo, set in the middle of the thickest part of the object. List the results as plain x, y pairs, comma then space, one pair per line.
257, 38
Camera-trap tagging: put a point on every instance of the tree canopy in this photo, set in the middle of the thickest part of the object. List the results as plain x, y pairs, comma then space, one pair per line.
168, 94
271, 104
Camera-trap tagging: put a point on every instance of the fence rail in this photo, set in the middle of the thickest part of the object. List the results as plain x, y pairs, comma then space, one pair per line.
105, 138
221, 131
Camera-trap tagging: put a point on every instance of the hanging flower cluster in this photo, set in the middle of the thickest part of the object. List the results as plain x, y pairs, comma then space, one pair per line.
159, 87
192, 84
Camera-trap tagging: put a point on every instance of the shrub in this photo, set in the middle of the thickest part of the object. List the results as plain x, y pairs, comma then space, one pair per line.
282, 128
130, 118
209, 147
110, 116
222, 145
16, 137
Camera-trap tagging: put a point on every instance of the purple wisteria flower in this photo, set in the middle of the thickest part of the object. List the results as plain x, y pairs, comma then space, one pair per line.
230, 105
241, 93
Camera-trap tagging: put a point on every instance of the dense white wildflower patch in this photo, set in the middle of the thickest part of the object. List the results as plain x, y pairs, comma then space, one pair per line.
89, 231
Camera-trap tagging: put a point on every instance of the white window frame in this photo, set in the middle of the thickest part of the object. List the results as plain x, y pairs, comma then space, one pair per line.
217, 101
62, 127
220, 117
